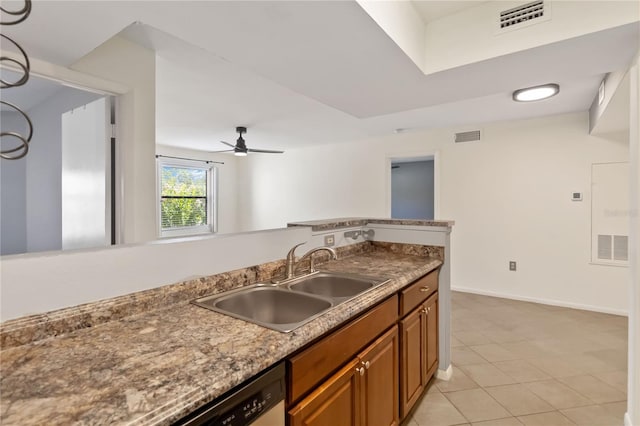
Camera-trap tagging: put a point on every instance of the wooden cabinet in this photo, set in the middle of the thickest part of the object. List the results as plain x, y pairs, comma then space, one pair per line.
380, 381
358, 376
335, 402
431, 328
309, 368
419, 352
362, 393
412, 337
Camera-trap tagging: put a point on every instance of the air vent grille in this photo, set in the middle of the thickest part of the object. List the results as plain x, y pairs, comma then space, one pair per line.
620, 247
604, 247
613, 247
522, 14
471, 136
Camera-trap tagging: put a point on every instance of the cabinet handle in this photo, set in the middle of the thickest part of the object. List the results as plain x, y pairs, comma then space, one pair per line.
424, 289
366, 364
360, 370
424, 310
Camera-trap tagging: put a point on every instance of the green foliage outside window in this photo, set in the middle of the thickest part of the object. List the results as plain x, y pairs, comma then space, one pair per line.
183, 197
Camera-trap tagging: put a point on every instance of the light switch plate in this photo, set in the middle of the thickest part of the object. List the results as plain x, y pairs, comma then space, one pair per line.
512, 265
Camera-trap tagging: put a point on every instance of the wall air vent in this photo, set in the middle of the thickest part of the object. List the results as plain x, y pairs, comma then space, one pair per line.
621, 248
522, 14
613, 247
471, 136
604, 247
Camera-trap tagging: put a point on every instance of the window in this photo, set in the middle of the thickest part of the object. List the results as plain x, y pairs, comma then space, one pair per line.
187, 198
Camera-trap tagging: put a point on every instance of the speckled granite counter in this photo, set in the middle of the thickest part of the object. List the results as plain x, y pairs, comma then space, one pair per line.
350, 222
154, 367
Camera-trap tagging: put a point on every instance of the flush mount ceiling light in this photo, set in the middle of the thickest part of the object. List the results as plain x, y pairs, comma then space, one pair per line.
536, 93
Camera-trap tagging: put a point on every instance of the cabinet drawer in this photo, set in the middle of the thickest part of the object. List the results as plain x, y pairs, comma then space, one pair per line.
311, 366
418, 292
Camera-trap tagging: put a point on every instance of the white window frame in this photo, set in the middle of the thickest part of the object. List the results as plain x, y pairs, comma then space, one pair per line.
212, 197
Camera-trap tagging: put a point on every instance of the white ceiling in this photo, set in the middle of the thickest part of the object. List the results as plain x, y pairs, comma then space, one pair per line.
432, 10
302, 73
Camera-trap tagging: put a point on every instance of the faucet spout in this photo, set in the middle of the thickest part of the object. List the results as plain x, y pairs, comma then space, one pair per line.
291, 264
310, 253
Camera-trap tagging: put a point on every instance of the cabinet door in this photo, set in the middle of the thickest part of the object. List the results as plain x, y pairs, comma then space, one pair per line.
412, 359
431, 328
336, 402
380, 381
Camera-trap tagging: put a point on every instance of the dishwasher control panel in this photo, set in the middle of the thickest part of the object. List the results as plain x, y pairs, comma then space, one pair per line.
251, 408
244, 404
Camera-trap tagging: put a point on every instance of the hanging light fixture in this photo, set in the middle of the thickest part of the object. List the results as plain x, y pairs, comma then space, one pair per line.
536, 93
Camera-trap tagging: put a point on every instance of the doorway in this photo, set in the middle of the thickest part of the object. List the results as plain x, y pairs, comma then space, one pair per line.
413, 188
38, 191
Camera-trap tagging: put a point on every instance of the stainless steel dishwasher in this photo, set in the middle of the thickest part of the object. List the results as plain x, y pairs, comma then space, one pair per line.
257, 402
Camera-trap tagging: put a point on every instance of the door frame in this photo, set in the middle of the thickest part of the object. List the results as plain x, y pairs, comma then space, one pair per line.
412, 157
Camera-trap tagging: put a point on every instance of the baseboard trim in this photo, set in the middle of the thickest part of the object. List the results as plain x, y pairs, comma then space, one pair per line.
445, 374
542, 301
627, 419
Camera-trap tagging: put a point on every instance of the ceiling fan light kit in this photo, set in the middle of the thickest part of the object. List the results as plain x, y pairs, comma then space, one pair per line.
240, 148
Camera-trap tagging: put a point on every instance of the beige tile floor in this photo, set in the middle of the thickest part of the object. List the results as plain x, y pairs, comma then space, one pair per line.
518, 363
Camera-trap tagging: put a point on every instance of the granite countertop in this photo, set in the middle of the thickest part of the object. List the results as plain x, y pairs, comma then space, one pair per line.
349, 222
155, 367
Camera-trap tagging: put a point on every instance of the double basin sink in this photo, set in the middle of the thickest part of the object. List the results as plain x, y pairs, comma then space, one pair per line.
291, 304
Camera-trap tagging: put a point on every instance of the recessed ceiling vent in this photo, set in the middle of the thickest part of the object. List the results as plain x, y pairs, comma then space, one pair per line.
522, 14
471, 136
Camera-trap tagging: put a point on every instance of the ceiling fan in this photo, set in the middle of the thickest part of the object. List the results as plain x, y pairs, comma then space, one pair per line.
240, 148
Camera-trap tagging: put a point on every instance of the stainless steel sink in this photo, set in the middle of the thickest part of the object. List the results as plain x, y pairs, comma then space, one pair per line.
339, 287
269, 306
291, 304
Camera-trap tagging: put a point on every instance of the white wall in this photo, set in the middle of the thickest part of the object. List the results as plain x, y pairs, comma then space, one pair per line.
13, 188
127, 63
510, 196
227, 183
308, 184
44, 169
632, 416
36, 283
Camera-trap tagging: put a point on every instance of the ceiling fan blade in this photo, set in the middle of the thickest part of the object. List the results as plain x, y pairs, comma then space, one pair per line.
226, 150
228, 144
265, 151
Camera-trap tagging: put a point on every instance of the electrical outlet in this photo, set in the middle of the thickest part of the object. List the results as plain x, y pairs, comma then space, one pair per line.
512, 265
329, 240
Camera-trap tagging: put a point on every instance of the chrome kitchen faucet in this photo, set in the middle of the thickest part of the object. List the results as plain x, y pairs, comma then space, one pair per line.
291, 264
